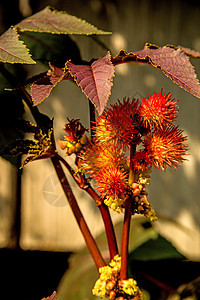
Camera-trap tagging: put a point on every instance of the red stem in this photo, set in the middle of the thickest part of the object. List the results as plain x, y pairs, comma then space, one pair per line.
99, 261
111, 237
125, 240
110, 233
127, 221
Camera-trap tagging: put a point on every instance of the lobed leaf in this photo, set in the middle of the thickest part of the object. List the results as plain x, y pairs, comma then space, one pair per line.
12, 50
42, 148
57, 22
191, 53
95, 80
42, 88
173, 62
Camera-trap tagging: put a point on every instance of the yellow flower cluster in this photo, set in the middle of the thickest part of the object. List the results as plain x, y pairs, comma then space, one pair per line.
114, 203
129, 286
110, 286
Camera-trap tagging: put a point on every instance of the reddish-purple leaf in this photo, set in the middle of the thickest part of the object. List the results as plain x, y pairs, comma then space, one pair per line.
52, 297
95, 80
173, 62
42, 88
191, 53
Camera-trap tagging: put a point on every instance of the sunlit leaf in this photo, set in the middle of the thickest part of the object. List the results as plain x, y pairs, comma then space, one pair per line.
173, 62
12, 50
42, 88
191, 53
95, 80
57, 22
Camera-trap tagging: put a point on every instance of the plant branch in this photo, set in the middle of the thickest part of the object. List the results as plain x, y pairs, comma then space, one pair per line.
127, 220
110, 233
61, 175
78, 215
125, 239
92, 118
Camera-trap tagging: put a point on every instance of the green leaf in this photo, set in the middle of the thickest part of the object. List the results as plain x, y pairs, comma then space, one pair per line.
57, 22
54, 48
43, 147
155, 249
12, 50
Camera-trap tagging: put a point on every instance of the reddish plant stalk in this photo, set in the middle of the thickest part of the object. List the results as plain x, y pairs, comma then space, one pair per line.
127, 221
125, 240
91, 244
97, 257
110, 233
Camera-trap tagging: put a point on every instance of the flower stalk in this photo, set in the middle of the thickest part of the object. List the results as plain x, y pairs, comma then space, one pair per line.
91, 244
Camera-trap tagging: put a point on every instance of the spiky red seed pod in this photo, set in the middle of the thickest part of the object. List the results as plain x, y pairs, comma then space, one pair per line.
96, 157
166, 147
141, 161
158, 110
111, 182
118, 125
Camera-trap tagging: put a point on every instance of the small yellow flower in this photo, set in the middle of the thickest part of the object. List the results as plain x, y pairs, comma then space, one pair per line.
129, 286
114, 203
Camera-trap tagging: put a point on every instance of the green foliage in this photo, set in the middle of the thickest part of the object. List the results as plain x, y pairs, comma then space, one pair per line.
54, 48
12, 50
154, 249
40, 147
57, 22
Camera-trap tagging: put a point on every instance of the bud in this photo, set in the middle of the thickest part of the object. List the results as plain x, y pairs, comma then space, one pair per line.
83, 139
78, 147
110, 284
62, 144
134, 185
71, 150
136, 192
112, 295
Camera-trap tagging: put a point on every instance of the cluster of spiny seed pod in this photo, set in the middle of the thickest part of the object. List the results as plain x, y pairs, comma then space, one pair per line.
130, 138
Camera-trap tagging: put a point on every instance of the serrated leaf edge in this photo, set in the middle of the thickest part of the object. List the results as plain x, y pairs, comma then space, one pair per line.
95, 85
53, 86
24, 46
53, 10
